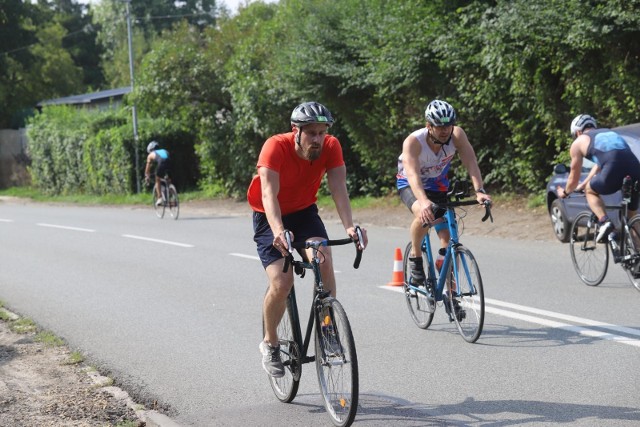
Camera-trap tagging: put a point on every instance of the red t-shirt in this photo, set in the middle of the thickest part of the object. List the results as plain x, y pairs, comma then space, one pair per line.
300, 179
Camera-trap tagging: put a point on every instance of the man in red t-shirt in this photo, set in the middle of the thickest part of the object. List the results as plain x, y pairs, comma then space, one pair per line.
283, 197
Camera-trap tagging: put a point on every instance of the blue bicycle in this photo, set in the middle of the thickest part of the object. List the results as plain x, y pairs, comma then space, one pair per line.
458, 284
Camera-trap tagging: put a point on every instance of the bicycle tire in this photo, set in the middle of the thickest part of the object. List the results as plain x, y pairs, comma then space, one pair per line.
632, 267
174, 202
469, 294
337, 362
159, 209
286, 387
590, 259
419, 308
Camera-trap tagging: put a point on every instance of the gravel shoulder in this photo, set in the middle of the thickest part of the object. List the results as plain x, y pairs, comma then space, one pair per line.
39, 386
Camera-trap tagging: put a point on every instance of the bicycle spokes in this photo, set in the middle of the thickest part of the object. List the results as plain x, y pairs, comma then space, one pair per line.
466, 296
336, 363
590, 258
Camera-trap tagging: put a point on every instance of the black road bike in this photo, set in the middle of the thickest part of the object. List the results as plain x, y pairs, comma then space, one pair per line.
335, 349
169, 201
590, 257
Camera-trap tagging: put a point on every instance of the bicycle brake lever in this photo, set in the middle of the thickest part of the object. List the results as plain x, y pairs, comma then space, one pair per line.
360, 238
289, 258
287, 236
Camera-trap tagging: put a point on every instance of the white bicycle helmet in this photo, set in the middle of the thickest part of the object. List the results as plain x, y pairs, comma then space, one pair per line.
153, 145
581, 122
440, 113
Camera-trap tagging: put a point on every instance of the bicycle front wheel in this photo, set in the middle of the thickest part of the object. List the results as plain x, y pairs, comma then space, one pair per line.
590, 258
336, 362
174, 203
632, 267
286, 387
419, 308
467, 305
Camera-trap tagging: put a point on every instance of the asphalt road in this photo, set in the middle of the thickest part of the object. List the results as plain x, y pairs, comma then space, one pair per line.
171, 310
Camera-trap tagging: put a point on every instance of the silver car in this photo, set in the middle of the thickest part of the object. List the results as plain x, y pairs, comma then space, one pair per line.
563, 211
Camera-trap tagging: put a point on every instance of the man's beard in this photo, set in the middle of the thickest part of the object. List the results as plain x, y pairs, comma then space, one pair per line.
312, 154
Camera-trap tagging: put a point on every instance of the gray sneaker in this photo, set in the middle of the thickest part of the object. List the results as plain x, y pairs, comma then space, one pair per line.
271, 362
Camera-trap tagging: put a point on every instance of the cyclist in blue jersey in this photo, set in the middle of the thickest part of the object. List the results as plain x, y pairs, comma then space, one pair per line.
613, 160
160, 157
422, 176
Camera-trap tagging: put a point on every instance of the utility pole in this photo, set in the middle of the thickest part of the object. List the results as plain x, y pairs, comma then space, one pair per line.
133, 108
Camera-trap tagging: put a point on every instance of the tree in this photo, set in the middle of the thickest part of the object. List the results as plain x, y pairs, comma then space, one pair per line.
35, 63
524, 68
16, 34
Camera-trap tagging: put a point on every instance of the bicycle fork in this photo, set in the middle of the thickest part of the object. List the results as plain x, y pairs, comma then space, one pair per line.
331, 351
453, 289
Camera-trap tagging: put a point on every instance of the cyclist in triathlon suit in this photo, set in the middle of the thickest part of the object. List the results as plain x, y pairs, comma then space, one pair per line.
613, 160
160, 156
283, 197
422, 176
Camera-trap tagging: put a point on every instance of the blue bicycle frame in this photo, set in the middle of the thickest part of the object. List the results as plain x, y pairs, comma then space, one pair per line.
464, 303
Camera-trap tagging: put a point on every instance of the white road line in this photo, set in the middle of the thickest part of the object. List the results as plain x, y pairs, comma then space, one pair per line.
582, 330
565, 326
64, 227
166, 242
6, 220
245, 256
569, 318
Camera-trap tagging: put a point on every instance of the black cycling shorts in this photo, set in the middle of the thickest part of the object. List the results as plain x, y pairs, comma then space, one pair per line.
162, 169
437, 197
609, 179
304, 225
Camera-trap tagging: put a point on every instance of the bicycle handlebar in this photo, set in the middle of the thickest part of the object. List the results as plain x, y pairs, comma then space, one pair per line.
453, 204
326, 242
458, 190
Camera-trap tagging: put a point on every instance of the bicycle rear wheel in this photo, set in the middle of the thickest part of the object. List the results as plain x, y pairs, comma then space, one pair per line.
159, 208
419, 308
632, 245
590, 258
336, 362
174, 203
286, 387
467, 305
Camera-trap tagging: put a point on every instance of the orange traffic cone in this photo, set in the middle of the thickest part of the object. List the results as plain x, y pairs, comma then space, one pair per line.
397, 278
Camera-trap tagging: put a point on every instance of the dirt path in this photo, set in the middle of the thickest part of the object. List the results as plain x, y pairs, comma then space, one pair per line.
39, 387
512, 220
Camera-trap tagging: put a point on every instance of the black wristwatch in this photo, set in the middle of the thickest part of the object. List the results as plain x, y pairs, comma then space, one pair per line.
481, 190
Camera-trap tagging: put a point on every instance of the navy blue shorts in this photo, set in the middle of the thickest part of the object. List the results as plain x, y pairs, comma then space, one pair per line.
163, 168
609, 179
303, 224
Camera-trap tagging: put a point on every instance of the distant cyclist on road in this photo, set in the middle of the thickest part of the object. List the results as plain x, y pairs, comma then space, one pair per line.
160, 157
422, 176
613, 160
283, 196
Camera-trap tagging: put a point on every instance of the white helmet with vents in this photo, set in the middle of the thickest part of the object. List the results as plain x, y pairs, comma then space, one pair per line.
581, 122
440, 113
